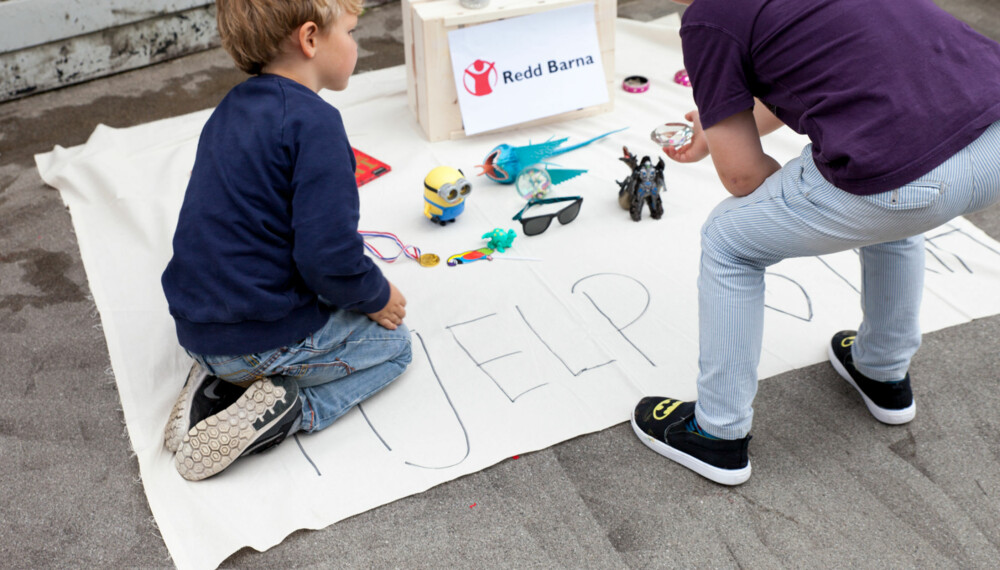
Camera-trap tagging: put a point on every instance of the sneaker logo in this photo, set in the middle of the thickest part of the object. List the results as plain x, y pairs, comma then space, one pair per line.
847, 341
663, 409
210, 390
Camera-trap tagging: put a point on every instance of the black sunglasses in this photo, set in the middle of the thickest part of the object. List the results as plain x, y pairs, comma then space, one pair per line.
537, 224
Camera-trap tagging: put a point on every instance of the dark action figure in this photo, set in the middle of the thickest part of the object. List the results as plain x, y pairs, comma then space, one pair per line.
643, 186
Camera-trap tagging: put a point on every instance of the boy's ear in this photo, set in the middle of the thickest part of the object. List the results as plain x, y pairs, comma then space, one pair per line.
307, 35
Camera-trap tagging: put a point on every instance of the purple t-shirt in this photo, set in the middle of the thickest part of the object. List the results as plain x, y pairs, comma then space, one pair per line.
886, 90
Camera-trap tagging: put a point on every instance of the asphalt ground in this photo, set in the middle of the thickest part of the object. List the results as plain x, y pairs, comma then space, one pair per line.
831, 486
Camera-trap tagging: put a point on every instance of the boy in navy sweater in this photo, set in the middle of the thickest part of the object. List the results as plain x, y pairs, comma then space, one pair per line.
289, 323
901, 103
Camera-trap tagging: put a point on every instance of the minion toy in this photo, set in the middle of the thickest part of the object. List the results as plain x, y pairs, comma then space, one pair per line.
445, 189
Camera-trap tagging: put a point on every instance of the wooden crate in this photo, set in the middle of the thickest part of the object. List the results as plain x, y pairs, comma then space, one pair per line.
430, 83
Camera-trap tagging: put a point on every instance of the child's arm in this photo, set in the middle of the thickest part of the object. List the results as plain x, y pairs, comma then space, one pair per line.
740, 161
742, 166
766, 121
391, 315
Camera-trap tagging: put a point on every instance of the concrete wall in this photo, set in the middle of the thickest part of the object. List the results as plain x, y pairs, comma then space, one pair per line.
46, 44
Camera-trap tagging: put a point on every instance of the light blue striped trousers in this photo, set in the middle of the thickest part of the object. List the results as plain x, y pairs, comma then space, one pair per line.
797, 213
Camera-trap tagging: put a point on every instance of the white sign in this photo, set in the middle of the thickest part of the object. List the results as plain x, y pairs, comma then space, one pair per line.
516, 70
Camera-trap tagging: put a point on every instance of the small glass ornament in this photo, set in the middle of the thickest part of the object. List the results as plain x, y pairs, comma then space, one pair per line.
533, 182
676, 135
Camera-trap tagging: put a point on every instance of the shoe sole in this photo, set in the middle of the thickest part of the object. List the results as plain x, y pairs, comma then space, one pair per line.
180, 415
884, 415
216, 441
721, 476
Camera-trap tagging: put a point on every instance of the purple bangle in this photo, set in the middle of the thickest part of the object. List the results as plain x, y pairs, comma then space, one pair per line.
635, 84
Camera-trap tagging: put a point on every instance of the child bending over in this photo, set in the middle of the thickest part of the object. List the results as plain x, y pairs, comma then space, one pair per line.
900, 102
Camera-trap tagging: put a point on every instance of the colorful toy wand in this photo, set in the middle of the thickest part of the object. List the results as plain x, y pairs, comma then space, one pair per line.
470, 256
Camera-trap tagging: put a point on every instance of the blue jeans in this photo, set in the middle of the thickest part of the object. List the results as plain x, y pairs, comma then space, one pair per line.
340, 365
797, 213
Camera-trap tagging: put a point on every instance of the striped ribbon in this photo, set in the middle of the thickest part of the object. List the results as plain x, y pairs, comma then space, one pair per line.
411, 251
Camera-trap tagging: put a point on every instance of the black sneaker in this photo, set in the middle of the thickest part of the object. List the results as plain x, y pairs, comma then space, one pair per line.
203, 395
890, 402
268, 411
660, 424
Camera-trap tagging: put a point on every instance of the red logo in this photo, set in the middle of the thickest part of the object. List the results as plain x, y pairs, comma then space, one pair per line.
480, 77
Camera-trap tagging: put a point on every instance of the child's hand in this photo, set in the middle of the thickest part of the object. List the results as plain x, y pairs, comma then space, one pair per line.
695, 150
391, 315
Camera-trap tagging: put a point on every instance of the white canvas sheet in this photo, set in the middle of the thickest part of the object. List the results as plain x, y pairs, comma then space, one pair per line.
509, 356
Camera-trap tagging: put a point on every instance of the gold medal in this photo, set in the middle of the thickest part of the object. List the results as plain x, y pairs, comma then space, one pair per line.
429, 260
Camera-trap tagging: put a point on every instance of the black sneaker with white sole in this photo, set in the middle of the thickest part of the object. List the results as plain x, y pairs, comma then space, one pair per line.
203, 395
268, 411
661, 424
890, 402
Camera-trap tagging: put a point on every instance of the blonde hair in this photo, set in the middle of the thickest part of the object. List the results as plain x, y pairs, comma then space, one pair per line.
252, 31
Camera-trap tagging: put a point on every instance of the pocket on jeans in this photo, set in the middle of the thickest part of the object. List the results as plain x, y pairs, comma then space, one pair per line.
911, 196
